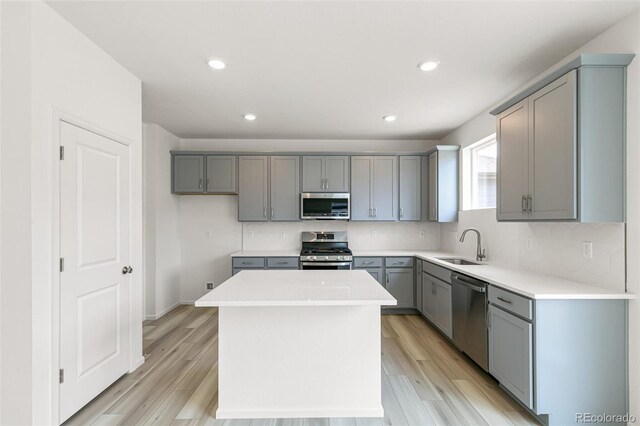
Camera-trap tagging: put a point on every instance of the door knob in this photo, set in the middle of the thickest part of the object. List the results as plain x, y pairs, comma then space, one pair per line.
125, 270
130, 269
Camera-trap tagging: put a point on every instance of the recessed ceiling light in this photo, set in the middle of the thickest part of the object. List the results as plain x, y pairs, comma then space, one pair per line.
389, 118
250, 117
428, 65
216, 64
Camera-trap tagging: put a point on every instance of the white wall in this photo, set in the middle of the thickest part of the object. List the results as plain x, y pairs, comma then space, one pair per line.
162, 255
50, 66
556, 247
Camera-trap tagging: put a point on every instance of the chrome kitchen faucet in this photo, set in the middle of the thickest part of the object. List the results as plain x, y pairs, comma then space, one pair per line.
479, 250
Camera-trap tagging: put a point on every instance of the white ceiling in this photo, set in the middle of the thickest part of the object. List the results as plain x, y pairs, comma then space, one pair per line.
332, 69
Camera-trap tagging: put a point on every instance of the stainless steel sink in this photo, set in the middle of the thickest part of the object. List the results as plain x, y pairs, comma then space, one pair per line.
458, 261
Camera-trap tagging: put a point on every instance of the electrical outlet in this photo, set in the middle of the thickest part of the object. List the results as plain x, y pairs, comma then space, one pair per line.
250, 234
282, 234
422, 234
209, 286
529, 243
373, 234
207, 235
587, 249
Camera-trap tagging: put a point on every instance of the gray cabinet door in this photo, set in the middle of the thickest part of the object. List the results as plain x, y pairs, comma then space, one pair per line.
444, 308
188, 174
385, 188
253, 182
513, 162
433, 186
552, 148
419, 285
377, 274
336, 173
510, 353
429, 297
313, 173
399, 282
361, 175
285, 188
221, 174
410, 189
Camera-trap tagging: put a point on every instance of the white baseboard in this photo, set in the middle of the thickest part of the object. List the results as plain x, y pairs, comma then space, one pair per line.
163, 312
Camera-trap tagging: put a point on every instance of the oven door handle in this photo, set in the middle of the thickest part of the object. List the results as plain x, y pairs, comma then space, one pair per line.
325, 263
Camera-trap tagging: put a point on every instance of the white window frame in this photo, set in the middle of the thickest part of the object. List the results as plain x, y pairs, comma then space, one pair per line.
467, 172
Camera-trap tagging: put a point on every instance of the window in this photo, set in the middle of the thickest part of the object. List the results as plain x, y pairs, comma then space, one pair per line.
479, 174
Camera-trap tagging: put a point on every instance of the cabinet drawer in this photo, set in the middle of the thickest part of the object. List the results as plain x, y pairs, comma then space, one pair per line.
282, 262
511, 302
398, 262
437, 271
248, 262
367, 262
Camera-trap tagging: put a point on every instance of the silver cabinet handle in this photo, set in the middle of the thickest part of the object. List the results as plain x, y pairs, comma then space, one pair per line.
530, 203
281, 263
370, 212
200, 183
271, 212
264, 212
326, 181
387, 278
206, 185
505, 300
375, 212
246, 263
523, 204
397, 263
400, 211
433, 288
368, 263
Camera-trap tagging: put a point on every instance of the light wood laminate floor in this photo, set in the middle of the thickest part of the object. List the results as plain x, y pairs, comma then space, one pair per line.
425, 380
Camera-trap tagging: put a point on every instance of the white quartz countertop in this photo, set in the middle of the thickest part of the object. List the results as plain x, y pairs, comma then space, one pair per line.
525, 283
298, 288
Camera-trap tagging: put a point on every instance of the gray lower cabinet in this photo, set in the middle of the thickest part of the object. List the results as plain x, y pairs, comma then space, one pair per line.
374, 188
253, 192
373, 265
437, 303
400, 281
187, 174
256, 263
328, 173
221, 174
285, 188
410, 188
511, 353
442, 183
560, 357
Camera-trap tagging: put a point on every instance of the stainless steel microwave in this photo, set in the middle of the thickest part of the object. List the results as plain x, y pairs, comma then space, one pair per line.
325, 205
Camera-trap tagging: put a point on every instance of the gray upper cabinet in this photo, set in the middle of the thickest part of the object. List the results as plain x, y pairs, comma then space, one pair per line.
325, 173
410, 188
188, 174
253, 193
221, 174
561, 142
513, 162
285, 188
537, 161
374, 194
442, 183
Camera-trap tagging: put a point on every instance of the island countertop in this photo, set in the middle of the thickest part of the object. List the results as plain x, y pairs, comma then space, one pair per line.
298, 288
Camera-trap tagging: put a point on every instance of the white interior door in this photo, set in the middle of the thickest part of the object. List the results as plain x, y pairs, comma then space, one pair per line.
94, 282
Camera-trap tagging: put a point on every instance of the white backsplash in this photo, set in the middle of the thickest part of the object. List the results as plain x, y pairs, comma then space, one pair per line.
362, 235
547, 248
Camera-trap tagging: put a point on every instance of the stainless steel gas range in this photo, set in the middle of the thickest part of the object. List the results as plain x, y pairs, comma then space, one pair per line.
325, 251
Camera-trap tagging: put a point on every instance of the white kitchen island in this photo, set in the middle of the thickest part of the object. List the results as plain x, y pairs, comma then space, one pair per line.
299, 344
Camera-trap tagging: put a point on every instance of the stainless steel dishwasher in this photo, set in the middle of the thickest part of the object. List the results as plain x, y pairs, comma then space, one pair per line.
470, 317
